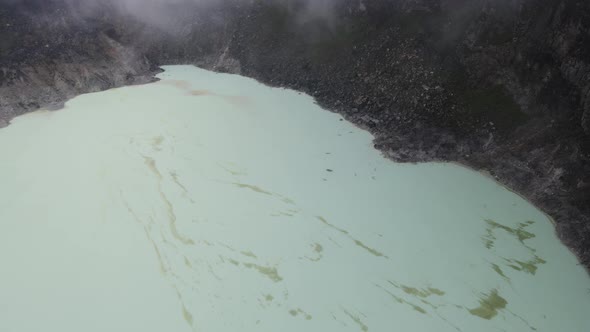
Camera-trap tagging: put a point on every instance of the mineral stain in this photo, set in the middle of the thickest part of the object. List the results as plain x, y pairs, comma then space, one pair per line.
519, 233
298, 311
269, 272
358, 243
363, 327
253, 188
489, 305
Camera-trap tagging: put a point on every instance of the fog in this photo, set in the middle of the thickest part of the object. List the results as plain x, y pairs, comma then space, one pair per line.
157, 11
162, 12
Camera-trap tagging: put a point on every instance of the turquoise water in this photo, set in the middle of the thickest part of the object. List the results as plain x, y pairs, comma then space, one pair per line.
210, 202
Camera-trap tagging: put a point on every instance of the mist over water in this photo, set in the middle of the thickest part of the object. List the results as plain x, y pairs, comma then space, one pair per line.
210, 202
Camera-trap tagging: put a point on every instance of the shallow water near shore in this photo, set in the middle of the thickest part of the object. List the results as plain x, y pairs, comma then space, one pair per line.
210, 202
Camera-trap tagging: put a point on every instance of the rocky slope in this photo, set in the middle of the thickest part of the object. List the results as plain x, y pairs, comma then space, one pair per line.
502, 86
49, 53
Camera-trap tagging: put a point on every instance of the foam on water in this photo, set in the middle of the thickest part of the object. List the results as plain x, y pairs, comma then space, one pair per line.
210, 202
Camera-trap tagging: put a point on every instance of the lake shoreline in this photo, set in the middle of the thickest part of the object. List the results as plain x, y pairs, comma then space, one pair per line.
524, 119
151, 77
321, 229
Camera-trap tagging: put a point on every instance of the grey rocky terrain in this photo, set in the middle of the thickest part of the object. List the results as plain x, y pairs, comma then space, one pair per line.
502, 86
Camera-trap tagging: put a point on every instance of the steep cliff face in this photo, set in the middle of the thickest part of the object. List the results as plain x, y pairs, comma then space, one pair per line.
500, 85
50, 52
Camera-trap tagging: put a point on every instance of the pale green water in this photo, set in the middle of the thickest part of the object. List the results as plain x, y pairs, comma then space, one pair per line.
209, 202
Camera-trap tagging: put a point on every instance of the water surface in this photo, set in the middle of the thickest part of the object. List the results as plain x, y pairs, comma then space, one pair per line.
209, 202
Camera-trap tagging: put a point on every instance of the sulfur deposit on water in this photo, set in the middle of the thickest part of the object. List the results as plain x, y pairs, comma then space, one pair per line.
210, 202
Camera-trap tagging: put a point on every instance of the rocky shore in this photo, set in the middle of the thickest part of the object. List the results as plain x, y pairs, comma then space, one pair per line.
500, 86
